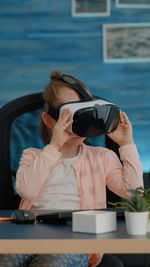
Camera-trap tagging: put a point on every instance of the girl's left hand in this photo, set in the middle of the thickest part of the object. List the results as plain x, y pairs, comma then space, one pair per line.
123, 134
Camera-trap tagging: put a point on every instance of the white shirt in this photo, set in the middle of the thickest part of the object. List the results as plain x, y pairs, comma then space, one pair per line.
61, 190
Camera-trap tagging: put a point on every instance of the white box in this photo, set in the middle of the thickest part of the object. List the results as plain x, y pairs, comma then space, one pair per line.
94, 221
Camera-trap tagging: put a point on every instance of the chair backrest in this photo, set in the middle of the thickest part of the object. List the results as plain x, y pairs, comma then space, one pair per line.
8, 114
110, 144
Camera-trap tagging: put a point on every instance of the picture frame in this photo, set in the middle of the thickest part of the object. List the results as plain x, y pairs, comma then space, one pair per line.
126, 42
94, 8
132, 3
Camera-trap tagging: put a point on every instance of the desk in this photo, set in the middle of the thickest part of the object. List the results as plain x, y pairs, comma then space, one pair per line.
46, 239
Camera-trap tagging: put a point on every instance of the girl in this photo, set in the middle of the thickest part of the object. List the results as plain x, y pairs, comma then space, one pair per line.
67, 173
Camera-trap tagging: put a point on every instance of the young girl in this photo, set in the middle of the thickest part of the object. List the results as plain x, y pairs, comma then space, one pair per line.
67, 173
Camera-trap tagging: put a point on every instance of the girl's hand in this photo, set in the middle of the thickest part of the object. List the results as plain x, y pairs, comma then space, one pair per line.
123, 134
60, 134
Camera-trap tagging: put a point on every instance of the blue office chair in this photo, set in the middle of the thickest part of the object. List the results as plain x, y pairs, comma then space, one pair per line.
19, 120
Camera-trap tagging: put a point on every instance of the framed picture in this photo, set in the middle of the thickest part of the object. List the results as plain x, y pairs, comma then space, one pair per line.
127, 42
88, 8
133, 3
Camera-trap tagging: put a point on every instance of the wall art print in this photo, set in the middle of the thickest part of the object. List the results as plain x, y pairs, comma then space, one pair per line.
88, 8
126, 42
133, 3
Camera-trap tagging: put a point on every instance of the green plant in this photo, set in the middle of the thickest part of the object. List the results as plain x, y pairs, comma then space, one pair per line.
146, 194
138, 202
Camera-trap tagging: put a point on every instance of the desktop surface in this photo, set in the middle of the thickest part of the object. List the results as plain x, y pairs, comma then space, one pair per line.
49, 238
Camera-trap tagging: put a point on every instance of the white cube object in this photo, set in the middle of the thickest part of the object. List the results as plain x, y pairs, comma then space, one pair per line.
94, 221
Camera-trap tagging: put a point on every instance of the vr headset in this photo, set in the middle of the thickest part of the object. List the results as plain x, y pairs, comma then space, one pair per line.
92, 116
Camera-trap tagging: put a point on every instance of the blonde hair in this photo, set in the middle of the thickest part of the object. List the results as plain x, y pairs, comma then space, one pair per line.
51, 96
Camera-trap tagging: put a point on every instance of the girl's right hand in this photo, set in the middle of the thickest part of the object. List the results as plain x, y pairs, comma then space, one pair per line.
60, 135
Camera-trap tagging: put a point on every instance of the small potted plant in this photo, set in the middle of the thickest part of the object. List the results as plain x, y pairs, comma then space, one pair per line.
136, 210
146, 195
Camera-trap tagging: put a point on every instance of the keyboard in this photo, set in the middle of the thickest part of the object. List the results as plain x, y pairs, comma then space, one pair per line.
64, 217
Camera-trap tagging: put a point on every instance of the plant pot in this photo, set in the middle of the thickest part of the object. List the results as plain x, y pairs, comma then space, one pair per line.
136, 222
148, 224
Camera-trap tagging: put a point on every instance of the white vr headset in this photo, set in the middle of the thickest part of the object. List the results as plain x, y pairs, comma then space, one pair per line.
91, 116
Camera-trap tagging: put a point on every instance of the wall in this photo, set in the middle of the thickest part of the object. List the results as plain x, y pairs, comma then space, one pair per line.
37, 37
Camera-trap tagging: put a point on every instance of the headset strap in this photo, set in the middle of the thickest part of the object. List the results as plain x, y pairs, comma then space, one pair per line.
53, 112
75, 85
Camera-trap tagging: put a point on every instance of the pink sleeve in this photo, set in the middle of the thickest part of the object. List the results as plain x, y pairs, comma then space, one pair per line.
130, 175
34, 168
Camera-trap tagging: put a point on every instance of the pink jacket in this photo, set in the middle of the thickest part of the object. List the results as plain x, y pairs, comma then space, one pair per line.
95, 168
